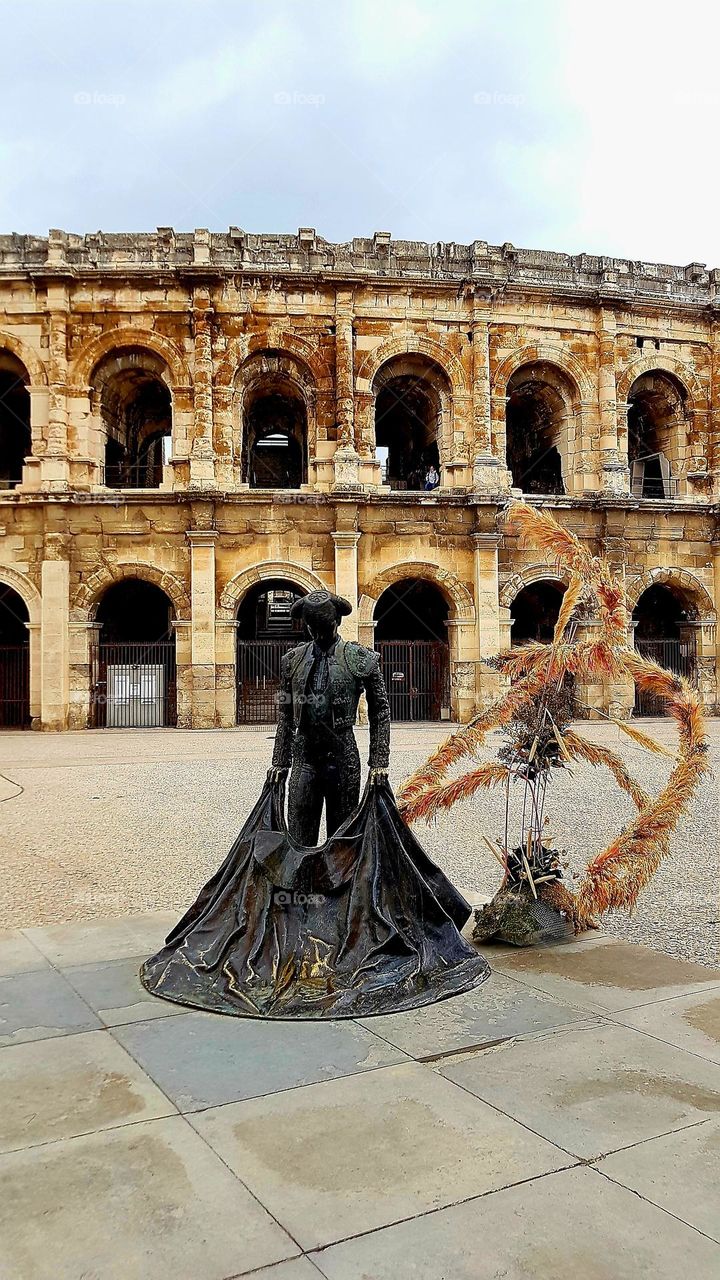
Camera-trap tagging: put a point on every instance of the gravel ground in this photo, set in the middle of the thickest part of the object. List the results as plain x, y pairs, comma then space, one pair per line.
115, 822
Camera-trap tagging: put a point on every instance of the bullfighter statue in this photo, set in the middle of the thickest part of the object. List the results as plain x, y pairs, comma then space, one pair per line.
321, 684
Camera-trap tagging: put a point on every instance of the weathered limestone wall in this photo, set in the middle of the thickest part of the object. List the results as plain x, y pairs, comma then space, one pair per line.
218, 315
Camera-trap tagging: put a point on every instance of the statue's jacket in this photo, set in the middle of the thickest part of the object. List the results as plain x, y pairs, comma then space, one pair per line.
353, 670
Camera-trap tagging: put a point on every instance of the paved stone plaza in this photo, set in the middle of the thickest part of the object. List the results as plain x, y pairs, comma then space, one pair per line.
123, 821
560, 1121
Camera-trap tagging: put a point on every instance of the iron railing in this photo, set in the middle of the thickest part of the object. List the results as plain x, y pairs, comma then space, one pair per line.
417, 676
258, 679
133, 686
679, 656
14, 686
143, 475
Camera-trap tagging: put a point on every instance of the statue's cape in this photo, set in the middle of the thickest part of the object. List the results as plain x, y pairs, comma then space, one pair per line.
363, 924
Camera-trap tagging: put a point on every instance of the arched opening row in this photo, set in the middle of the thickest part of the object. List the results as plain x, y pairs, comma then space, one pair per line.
132, 407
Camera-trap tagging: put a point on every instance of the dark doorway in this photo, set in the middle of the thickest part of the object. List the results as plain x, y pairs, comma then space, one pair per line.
659, 616
534, 612
275, 441
538, 407
15, 435
411, 638
655, 421
265, 633
406, 424
14, 660
133, 663
136, 409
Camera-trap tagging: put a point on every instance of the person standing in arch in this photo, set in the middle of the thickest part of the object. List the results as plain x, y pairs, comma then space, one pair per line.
321, 684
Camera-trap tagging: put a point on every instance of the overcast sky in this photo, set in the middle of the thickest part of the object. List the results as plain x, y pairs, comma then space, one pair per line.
555, 125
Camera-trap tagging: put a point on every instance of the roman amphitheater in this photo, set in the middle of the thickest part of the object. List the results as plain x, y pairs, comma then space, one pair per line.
197, 428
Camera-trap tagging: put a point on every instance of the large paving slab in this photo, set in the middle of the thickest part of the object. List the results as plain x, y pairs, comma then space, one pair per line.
76, 1084
146, 1202
593, 1091
204, 1059
357, 1153
35, 1006
499, 1009
600, 975
680, 1173
569, 1226
87, 941
18, 954
690, 1022
114, 990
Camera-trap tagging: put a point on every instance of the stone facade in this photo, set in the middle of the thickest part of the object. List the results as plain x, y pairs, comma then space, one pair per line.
590, 354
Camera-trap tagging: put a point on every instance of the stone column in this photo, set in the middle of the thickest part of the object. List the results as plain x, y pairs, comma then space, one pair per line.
487, 609
54, 644
202, 629
202, 457
346, 460
346, 576
490, 473
714, 424
55, 466
613, 439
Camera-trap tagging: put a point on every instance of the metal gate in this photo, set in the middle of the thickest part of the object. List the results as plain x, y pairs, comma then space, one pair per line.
258, 679
679, 656
14, 686
133, 686
417, 676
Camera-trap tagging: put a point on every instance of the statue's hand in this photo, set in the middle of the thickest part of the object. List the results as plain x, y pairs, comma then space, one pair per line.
276, 775
378, 777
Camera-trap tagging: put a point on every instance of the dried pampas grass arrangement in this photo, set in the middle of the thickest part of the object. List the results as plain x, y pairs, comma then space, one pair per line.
614, 879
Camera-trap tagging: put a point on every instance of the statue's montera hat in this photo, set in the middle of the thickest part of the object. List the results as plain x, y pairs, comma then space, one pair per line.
317, 601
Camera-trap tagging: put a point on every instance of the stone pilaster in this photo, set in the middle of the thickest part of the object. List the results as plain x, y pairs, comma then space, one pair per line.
202, 629
613, 439
487, 609
346, 576
202, 456
55, 632
346, 460
55, 465
489, 472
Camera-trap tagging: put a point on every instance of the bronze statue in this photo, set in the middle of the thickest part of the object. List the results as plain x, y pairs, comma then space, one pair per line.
363, 924
321, 684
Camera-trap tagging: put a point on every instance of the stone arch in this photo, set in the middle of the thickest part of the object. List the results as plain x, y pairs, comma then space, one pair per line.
279, 342
269, 371
695, 596
88, 595
26, 589
545, 353
234, 591
415, 344
527, 577
696, 394
459, 598
117, 340
36, 371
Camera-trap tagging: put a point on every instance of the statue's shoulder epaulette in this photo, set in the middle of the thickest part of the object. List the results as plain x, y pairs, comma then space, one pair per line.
360, 661
292, 659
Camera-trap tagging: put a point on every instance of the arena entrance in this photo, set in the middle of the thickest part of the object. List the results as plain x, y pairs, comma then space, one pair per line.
265, 632
14, 661
133, 670
534, 612
659, 616
411, 638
